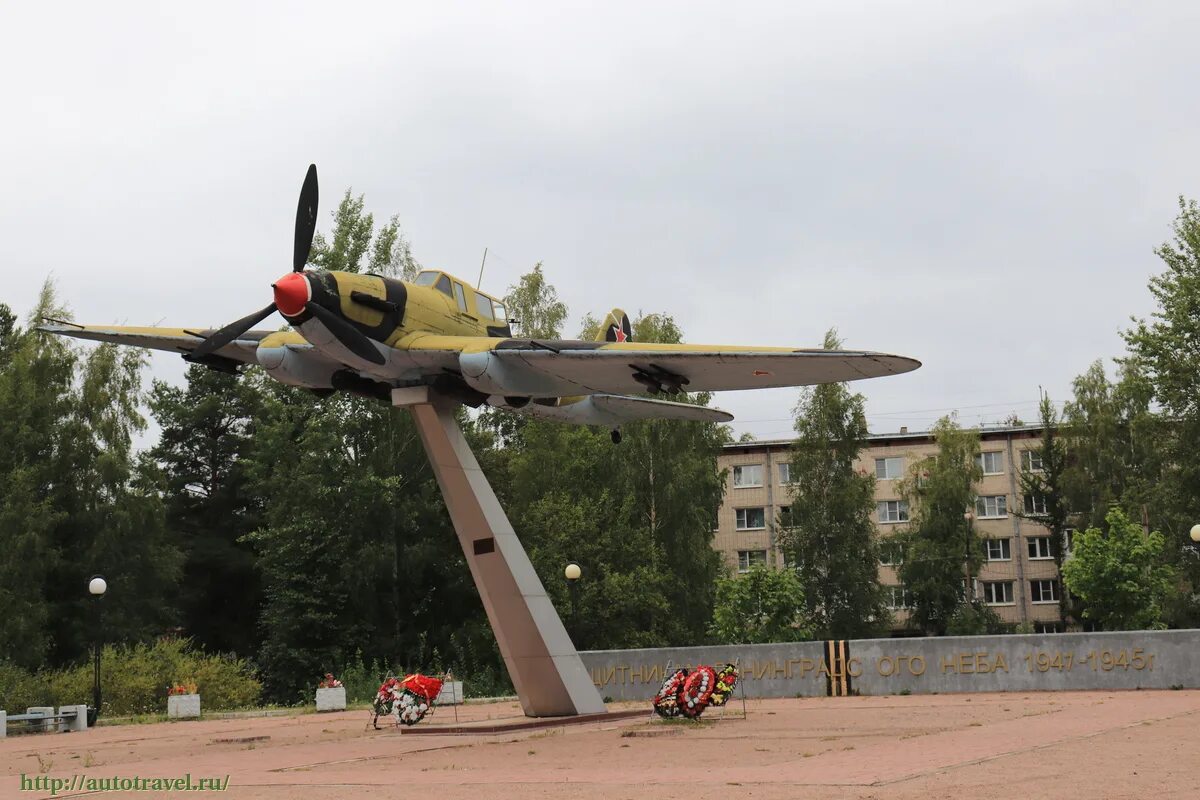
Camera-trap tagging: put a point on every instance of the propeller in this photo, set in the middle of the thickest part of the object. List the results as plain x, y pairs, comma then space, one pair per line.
347, 334
233, 330
293, 293
306, 219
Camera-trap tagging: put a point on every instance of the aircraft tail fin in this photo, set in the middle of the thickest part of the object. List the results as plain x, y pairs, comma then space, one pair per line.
616, 328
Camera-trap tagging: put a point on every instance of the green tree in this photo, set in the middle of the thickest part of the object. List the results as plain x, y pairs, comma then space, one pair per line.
938, 541
76, 499
1164, 352
975, 618
349, 239
760, 606
35, 404
1044, 477
114, 520
354, 236
1167, 347
637, 517
1115, 445
1119, 574
829, 535
534, 301
207, 432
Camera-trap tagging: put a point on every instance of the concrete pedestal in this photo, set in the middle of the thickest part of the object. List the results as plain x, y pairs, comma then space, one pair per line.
545, 669
46, 725
77, 722
331, 699
183, 706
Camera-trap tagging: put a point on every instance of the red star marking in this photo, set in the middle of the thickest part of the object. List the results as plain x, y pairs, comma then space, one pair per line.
620, 333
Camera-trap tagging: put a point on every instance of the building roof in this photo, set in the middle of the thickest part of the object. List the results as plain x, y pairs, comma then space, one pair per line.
985, 432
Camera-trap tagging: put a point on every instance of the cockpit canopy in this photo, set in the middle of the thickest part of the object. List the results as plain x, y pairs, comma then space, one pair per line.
484, 306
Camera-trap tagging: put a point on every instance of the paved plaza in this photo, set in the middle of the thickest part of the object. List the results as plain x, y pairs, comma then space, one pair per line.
1074, 744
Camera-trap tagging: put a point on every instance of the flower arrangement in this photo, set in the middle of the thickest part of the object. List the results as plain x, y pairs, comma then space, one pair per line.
182, 688
409, 699
689, 692
329, 682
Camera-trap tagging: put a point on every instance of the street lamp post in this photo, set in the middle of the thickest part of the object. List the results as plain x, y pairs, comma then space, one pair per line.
97, 586
572, 573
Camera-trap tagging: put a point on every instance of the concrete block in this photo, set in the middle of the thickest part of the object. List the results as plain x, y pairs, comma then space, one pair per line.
451, 694
45, 725
183, 706
76, 723
410, 395
331, 699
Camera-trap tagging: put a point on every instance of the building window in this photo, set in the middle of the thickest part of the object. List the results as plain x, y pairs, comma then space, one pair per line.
1031, 460
891, 554
898, 598
1039, 548
1043, 591
892, 510
998, 593
785, 517
1068, 541
992, 505
747, 475
1049, 627
998, 549
992, 462
785, 473
750, 519
1035, 505
887, 469
751, 558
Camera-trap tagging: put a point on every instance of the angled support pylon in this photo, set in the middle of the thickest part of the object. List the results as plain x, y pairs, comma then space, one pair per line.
546, 671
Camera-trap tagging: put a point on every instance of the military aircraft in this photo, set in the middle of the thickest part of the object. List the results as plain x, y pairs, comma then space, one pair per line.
370, 334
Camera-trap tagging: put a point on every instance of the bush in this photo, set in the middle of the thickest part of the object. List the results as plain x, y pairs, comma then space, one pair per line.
20, 689
134, 680
974, 619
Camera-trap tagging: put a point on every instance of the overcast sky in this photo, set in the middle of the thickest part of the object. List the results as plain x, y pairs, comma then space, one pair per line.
979, 186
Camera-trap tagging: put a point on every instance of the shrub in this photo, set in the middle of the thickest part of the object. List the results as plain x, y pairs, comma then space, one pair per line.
134, 680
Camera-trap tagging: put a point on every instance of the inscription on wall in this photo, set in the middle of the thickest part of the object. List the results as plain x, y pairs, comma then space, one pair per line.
1142, 659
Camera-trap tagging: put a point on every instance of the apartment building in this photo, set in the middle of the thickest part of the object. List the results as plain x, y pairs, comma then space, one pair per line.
1018, 577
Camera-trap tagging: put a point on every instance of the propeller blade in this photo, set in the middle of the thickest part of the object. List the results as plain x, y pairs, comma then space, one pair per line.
347, 334
231, 331
306, 219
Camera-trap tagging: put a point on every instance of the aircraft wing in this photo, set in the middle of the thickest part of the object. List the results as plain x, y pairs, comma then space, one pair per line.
631, 408
560, 368
613, 410
173, 340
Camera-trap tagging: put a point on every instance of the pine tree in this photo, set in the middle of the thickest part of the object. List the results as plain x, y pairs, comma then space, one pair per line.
828, 535
35, 403
207, 432
939, 542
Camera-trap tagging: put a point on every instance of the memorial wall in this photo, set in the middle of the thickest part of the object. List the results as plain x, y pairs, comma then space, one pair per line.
1034, 662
